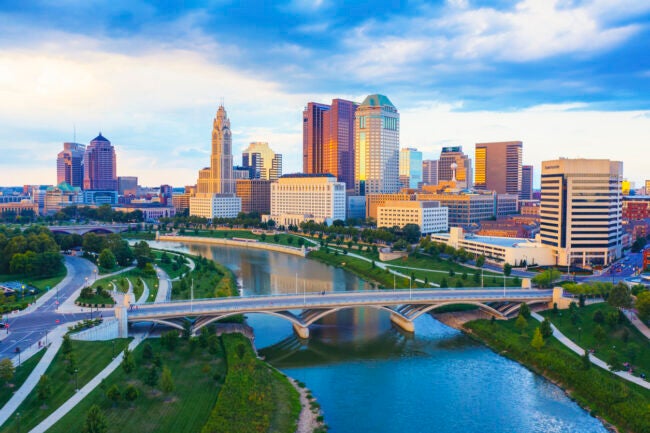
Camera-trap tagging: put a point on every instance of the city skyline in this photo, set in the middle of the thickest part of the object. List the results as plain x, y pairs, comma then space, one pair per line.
488, 80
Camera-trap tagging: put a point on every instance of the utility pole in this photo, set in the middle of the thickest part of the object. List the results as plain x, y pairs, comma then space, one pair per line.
192, 296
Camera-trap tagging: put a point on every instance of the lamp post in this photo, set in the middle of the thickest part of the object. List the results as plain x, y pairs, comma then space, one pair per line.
113, 351
76, 381
18, 422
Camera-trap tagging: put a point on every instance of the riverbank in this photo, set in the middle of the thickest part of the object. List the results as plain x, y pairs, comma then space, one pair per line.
243, 243
606, 397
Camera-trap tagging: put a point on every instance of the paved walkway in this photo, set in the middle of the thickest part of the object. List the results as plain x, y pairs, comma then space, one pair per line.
83, 392
164, 287
55, 339
638, 323
596, 361
69, 305
145, 293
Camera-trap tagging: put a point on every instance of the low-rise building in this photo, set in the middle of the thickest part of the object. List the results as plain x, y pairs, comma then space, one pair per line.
18, 208
181, 202
465, 208
149, 213
428, 215
499, 249
215, 205
304, 197
60, 196
373, 201
636, 207
506, 204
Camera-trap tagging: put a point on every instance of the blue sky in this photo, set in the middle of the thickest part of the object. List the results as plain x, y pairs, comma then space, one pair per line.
568, 78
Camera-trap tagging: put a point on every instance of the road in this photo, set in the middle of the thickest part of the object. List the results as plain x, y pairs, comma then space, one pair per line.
29, 328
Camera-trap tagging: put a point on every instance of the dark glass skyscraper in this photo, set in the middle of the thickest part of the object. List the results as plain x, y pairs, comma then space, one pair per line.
100, 165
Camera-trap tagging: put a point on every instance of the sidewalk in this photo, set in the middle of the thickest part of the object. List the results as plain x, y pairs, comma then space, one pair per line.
638, 323
164, 287
145, 293
69, 306
87, 389
596, 361
55, 339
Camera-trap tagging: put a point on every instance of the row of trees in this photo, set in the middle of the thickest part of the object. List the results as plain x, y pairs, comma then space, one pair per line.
33, 251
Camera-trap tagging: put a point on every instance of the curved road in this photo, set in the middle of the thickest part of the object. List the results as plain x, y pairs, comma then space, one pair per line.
26, 329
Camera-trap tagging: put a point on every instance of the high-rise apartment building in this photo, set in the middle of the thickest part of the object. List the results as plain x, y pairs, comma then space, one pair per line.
454, 161
100, 165
262, 161
217, 179
430, 172
338, 141
581, 210
328, 139
498, 167
70, 164
410, 167
376, 165
526, 182
312, 137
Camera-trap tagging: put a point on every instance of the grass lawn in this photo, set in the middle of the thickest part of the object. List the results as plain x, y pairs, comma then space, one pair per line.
255, 397
117, 268
42, 284
619, 402
279, 239
91, 357
97, 300
147, 236
635, 350
185, 410
172, 269
210, 280
21, 374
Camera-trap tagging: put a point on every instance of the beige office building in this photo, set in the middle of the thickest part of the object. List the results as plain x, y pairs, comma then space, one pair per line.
581, 210
428, 215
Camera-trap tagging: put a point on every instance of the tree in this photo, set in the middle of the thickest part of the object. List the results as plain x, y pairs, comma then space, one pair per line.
114, 394
620, 296
586, 362
43, 389
66, 345
166, 380
151, 377
480, 261
507, 269
131, 393
547, 278
128, 364
538, 341
169, 340
443, 283
524, 310
95, 421
7, 370
546, 329
521, 323
411, 233
147, 352
642, 304
599, 333
107, 259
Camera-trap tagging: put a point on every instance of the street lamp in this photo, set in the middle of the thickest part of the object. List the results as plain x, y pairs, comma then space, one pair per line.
18, 421
113, 351
76, 381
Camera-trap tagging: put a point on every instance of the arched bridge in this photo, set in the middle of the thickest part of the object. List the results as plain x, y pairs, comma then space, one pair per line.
94, 228
305, 309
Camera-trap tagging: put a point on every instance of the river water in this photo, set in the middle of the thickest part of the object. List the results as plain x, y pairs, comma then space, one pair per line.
369, 376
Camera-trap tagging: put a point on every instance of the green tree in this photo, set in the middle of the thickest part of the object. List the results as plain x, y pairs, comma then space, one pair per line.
524, 310
538, 341
507, 269
166, 380
43, 388
411, 233
169, 340
546, 278
480, 261
95, 421
66, 345
147, 352
107, 259
7, 370
620, 296
128, 364
546, 329
203, 337
599, 317
151, 378
599, 333
586, 362
451, 272
114, 394
642, 304
131, 393
521, 323
443, 283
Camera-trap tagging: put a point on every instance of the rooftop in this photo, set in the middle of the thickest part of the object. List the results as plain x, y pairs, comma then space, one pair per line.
497, 241
376, 101
308, 175
100, 137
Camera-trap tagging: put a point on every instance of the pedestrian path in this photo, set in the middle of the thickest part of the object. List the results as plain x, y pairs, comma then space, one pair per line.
145, 293
55, 340
164, 287
638, 323
596, 361
87, 389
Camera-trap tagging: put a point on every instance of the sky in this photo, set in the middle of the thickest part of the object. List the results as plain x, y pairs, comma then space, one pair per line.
569, 78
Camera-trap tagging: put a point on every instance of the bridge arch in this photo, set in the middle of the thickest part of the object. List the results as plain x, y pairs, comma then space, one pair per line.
204, 321
310, 320
432, 307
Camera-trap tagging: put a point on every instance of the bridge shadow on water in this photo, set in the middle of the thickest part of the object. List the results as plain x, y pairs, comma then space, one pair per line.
329, 344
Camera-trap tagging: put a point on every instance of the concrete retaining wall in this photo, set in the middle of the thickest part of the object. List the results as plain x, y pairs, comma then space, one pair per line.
302, 252
107, 330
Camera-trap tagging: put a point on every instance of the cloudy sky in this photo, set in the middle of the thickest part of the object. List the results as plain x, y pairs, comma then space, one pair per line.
567, 77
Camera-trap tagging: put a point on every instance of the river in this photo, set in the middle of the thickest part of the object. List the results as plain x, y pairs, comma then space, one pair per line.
370, 376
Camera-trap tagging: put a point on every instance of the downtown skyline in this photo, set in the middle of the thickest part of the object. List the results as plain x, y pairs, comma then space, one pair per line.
151, 79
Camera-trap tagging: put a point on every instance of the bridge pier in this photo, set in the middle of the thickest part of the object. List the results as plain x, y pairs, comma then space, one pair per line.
403, 323
301, 331
122, 320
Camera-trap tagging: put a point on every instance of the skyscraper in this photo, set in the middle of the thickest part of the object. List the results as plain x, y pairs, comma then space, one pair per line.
263, 162
218, 179
100, 165
312, 137
376, 165
410, 167
430, 172
69, 165
526, 182
463, 168
328, 139
338, 141
581, 210
498, 167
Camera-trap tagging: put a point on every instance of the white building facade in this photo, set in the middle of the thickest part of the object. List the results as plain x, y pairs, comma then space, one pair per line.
428, 215
215, 205
303, 197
